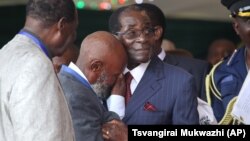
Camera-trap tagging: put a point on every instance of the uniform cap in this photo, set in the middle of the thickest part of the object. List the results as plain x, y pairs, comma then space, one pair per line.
239, 8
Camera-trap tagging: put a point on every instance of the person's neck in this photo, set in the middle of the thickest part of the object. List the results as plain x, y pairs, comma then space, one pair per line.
157, 49
35, 27
132, 66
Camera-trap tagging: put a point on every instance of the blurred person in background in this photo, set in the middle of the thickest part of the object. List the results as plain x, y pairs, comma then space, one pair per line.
167, 45
180, 52
70, 55
219, 49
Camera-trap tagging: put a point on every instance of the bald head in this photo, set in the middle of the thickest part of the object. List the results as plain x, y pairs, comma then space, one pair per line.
101, 52
100, 45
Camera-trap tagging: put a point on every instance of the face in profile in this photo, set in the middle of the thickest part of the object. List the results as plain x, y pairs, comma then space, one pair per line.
67, 36
137, 35
110, 72
242, 28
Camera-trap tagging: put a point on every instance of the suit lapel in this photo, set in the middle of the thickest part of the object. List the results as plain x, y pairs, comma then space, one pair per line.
62, 72
147, 87
89, 92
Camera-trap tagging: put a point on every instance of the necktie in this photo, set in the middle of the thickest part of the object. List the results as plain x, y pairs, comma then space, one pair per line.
128, 79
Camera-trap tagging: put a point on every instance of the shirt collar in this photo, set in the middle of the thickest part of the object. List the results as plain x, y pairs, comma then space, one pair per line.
162, 54
138, 71
37, 41
76, 69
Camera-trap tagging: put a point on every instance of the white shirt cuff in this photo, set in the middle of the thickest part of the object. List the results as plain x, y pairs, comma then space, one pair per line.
116, 103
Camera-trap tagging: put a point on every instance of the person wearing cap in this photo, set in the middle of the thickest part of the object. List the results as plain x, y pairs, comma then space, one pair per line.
226, 78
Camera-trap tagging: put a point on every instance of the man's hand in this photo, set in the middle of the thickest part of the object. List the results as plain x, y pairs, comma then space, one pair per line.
115, 130
120, 86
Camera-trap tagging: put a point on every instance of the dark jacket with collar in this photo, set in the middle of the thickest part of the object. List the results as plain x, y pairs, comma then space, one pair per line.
165, 95
87, 112
228, 78
198, 68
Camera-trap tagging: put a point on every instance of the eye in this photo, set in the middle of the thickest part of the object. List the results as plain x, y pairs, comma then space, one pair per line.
247, 21
149, 30
131, 33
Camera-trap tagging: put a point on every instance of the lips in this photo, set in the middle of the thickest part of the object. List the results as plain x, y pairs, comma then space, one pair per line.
139, 51
142, 50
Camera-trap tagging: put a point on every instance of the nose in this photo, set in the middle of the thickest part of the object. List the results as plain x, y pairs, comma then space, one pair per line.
141, 38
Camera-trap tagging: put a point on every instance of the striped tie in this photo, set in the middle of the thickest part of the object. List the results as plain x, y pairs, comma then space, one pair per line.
128, 79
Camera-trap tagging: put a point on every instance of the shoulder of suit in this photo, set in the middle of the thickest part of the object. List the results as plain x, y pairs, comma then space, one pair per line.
176, 70
190, 60
225, 71
230, 62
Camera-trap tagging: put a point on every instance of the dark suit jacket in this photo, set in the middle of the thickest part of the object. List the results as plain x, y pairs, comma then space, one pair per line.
198, 68
88, 114
169, 90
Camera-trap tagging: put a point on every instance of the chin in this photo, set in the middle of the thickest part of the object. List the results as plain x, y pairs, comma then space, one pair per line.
143, 59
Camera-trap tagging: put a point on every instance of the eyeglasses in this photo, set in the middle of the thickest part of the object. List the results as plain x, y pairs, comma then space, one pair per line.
133, 34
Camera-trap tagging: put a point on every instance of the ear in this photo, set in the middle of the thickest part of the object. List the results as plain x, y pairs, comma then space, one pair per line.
236, 26
96, 66
61, 24
158, 32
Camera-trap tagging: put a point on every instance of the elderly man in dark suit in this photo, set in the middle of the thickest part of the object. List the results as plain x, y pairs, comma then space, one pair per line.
161, 93
198, 68
86, 84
